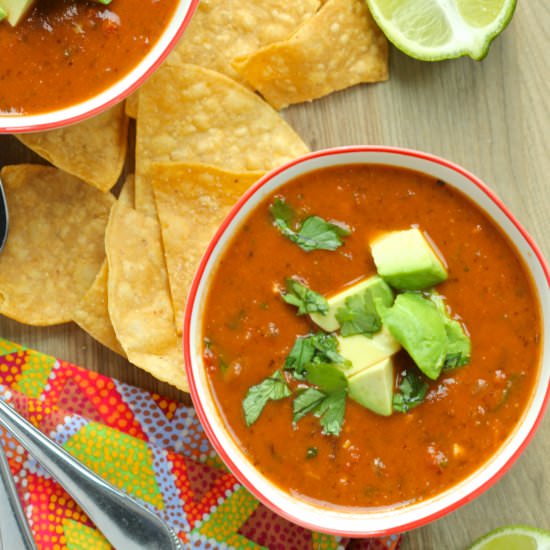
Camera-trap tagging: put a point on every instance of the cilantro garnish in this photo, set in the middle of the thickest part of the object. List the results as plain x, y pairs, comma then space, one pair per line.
272, 388
326, 376
359, 315
412, 391
305, 299
314, 233
312, 349
329, 408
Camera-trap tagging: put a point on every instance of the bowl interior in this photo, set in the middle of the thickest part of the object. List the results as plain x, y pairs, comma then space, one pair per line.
333, 519
117, 92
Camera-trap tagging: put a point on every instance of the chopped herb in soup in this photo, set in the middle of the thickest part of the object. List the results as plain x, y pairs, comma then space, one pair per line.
369, 367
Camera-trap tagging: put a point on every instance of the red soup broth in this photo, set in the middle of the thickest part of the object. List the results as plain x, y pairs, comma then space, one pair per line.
376, 461
67, 51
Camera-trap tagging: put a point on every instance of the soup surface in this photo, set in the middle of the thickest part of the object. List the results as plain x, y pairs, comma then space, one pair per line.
467, 413
67, 51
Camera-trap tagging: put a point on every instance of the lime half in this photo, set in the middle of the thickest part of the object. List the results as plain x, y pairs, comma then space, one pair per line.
432, 30
514, 537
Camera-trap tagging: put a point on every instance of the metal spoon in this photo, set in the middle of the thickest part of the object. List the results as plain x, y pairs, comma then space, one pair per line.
4, 217
15, 533
126, 524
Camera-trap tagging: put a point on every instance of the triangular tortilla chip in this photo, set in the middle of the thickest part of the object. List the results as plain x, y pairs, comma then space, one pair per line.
139, 298
338, 47
92, 313
55, 246
192, 200
93, 150
191, 114
224, 29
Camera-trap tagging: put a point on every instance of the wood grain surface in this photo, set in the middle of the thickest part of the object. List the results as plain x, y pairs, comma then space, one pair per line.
492, 118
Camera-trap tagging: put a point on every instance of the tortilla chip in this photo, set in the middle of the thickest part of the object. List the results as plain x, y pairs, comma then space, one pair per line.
93, 150
192, 200
138, 296
131, 105
224, 29
92, 313
338, 47
191, 114
127, 193
55, 246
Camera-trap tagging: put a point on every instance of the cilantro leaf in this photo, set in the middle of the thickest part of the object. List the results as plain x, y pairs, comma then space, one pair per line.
331, 412
318, 234
300, 355
329, 408
326, 376
314, 348
282, 212
314, 233
305, 299
359, 315
272, 388
412, 391
306, 402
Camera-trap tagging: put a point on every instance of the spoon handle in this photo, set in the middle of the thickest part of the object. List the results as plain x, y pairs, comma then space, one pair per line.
126, 524
15, 533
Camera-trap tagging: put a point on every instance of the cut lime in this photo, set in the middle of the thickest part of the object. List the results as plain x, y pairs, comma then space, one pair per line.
432, 30
514, 537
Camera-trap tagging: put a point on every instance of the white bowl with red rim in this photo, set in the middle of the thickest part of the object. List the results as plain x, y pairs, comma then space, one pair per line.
116, 92
336, 520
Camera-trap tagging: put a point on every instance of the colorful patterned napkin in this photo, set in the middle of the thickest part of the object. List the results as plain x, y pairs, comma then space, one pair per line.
151, 447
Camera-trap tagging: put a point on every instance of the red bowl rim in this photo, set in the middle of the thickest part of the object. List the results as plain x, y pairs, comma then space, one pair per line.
88, 113
193, 295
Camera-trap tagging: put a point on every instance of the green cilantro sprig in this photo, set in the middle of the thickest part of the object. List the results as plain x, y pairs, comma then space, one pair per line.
359, 315
305, 299
412, 392
272, 388
314, 233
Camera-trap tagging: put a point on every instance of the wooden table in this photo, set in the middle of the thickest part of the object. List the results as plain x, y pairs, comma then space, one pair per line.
490, 117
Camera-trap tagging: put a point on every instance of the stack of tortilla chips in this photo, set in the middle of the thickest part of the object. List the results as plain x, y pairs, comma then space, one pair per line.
206, 130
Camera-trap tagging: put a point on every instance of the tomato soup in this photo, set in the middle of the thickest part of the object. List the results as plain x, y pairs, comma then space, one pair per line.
465, 415
66, 51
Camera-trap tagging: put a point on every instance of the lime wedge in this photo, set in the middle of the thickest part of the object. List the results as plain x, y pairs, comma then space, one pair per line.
432, 30
514, 537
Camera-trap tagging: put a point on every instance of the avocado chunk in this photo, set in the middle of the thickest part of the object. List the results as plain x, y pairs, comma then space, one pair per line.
363, 352
381, 293
2, 13
459, 346
373, 387
417, 324
16, 9
407, 261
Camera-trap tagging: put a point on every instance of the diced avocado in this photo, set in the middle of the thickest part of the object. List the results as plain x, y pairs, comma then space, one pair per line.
406, 260
16, 9
373, 387
419, 327
381, 292
363, 352
2, 13
459, 346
